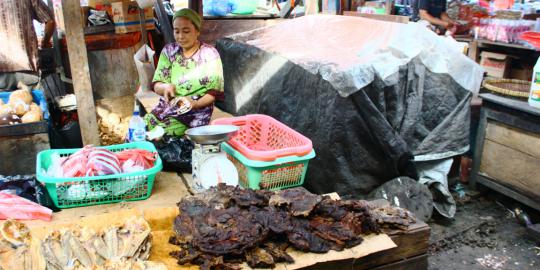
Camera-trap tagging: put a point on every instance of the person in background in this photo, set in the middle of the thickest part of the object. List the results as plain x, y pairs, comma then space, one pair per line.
189, 73
18, 41
434, 12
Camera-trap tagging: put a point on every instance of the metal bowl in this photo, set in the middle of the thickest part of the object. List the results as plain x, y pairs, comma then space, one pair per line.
212, 134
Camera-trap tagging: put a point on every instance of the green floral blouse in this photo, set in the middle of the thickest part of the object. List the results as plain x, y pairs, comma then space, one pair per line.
193, 76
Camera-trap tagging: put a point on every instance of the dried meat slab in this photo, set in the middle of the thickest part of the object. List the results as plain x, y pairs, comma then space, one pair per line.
276, 220
278, 251
339, 233
260, 258
228, 231
299, 200
303, 238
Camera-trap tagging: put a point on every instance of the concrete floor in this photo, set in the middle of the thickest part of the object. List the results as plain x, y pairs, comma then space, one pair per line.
483, 235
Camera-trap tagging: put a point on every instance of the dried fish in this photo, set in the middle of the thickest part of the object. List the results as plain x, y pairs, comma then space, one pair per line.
121, 247
79, 251
15, 240
111, 240
15, 232
132, 236
101, 247
51, 258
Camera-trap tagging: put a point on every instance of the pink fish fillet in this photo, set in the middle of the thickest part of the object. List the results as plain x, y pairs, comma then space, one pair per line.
15, 207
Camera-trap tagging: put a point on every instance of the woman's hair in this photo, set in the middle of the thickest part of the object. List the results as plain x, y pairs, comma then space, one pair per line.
190, 14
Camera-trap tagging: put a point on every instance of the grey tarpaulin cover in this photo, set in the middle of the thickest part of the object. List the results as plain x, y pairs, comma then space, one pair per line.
368, 95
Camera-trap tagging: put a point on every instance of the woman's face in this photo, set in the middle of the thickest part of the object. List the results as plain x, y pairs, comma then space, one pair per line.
185, 33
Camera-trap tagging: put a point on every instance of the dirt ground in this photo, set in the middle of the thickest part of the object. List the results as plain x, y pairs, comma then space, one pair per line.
483, 235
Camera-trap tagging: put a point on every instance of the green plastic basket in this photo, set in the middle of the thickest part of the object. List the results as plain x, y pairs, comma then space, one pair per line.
84, 191
279, 174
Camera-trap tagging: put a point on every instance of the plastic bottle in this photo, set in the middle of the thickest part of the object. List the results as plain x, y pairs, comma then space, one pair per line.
534, 94
136, 127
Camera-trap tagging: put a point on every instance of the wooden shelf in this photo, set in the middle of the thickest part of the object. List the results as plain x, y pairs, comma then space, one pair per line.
483, 42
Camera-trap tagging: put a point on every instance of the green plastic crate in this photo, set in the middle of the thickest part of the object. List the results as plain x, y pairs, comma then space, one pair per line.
84, 191
279, 174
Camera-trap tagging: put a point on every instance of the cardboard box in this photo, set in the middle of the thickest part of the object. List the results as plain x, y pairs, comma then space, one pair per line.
59, 16
521, 74
496, 64
521, 69
126, 17
95, 3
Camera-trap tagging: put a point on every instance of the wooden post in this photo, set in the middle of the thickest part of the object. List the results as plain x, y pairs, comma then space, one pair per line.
388, 6
80, 73
473, 52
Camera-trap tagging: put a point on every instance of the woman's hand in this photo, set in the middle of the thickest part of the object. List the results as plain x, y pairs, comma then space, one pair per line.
167, 90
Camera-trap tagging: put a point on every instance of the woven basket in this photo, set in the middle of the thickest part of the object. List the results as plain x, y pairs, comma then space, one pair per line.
509, 87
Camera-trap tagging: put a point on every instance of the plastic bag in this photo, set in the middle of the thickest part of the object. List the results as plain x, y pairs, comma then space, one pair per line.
217, 7
175, 154
144, 61
90, 161
16, 207
26, 186
21, 185
136, 160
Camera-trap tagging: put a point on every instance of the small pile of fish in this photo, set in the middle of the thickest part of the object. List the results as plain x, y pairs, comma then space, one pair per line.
14, 246
125, 246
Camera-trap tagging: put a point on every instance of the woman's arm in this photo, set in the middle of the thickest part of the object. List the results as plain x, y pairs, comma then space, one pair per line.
202, 102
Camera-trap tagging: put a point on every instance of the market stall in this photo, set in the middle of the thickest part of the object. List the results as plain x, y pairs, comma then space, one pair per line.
114, 207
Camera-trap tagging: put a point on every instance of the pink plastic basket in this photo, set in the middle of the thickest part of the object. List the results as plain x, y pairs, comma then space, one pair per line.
262, 137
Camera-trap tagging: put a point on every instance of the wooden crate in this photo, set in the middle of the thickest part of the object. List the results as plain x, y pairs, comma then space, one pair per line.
507, 151
511, 157
18, 153
410, 253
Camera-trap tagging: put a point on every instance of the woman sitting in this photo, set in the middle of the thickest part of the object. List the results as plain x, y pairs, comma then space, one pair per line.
189, 75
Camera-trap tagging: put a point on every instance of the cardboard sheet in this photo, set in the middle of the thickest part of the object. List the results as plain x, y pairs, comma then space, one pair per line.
161, 219
161, 222
160, 211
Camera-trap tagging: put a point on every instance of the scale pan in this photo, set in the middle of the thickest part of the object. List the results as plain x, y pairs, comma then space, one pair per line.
212, 134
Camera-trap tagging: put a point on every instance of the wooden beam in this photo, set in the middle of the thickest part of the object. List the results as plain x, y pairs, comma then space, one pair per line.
388, 6
80, 72
379, 17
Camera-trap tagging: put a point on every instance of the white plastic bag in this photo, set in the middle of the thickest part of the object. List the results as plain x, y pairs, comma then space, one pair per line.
144, 61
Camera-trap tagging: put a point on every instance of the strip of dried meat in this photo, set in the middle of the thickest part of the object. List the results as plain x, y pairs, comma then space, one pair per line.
260, 258
331, 208
229, 231
337, 232
302, 238
276, 220
299, 200
278, 251
393, 217
250, 197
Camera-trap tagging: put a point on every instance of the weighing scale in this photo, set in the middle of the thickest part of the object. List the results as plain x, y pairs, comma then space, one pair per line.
210, 165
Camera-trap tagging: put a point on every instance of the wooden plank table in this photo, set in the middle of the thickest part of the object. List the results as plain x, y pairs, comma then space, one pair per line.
167, 191
169, 188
